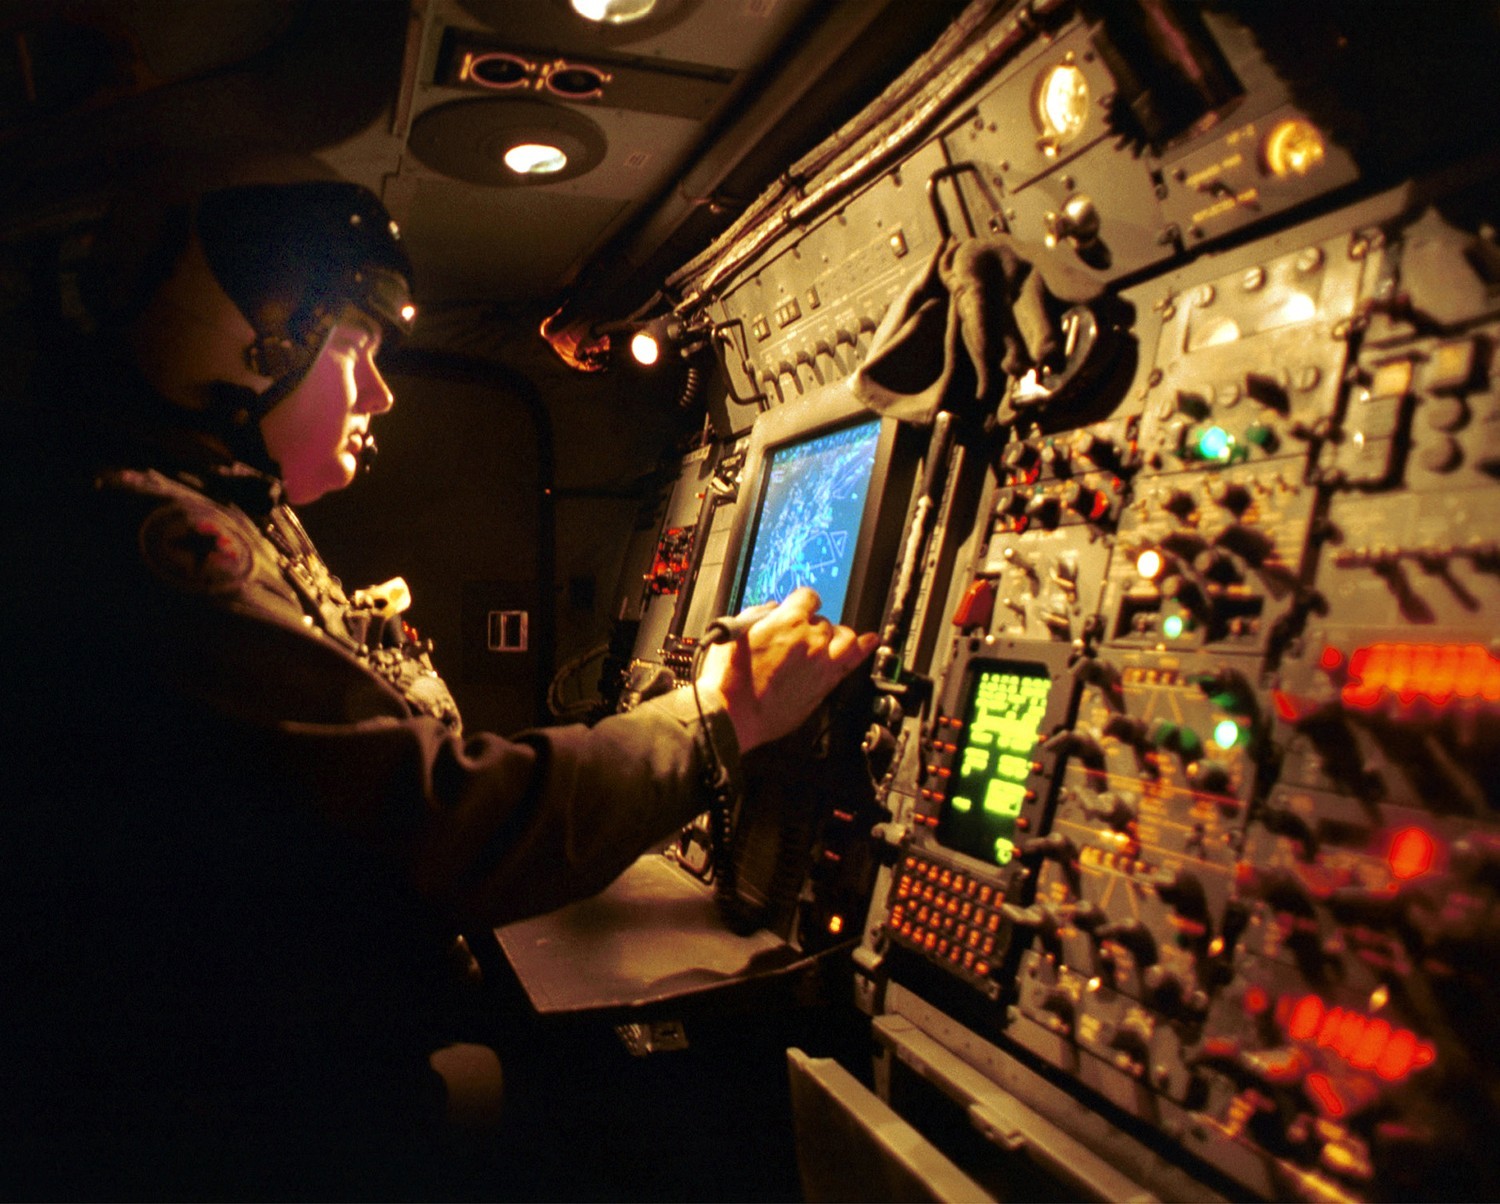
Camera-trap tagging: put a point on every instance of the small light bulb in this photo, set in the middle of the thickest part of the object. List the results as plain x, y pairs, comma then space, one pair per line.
1226, 733
645, 348
613, 12
408, 312
535, 159
1172, 626
1149, 564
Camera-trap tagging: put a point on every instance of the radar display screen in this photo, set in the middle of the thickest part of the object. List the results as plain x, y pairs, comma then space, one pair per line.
1006, 706
807, 528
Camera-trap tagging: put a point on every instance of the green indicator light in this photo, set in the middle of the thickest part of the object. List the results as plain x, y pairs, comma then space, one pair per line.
1172, 626
1226, 733
1215, 444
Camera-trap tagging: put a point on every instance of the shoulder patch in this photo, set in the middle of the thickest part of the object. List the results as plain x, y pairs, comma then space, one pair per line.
192, 547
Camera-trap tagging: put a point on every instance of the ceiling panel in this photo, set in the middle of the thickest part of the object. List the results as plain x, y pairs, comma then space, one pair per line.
497, 244
734, 34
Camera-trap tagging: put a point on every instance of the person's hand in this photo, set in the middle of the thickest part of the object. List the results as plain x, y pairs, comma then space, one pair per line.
775, 674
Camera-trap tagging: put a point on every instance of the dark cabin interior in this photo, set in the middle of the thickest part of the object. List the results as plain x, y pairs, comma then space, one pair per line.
772, 175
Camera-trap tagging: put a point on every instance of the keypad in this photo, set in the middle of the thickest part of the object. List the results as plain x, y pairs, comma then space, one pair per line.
947, 914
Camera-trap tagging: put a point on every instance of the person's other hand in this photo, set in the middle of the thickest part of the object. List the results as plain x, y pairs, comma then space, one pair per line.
775, 674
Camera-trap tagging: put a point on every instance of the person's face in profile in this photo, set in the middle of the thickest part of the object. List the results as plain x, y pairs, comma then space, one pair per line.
315, 433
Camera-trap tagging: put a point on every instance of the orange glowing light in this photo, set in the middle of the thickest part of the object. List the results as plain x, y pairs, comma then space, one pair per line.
1411, 853
1306, 1016
835, 924
1256, 1001
1364, 1042
1149, 564
1371, 1044
1331, 659
1439, 673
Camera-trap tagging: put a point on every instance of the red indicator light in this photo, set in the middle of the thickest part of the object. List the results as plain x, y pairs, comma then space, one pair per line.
1256, 1001
1285, 706
1351, 1029
1371, 1044
1325, 1095
1331, 659
1366, 1043
1305, 1018
1438, 673
1410, 855
1403, 1053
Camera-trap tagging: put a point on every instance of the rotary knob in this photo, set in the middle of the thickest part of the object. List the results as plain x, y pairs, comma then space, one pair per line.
1076, 222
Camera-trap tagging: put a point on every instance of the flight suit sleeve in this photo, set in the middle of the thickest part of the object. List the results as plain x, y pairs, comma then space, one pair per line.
494, 830
223, 675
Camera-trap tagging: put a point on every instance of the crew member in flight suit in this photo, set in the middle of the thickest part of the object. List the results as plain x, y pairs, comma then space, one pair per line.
243, 821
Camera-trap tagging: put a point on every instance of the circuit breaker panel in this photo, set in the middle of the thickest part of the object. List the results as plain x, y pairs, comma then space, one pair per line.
1183, 743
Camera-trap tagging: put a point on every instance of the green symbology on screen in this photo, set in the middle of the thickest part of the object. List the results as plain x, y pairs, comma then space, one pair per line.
1006, 709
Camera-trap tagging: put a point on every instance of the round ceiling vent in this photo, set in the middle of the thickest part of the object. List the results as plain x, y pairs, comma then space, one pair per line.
507, 141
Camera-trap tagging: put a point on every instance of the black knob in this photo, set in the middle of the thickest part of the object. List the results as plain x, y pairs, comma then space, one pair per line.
1096, 449
1011, 503
1083, 500
1132, 935
1118, 810
1211, 777
1044, 509
1215, 564
1126, 729
1230, 494
1021, 457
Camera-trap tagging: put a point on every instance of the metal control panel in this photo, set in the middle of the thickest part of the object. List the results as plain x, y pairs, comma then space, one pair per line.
1188, 753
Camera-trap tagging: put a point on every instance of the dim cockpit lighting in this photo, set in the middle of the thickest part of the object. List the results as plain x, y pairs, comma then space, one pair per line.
535, 159
613, 12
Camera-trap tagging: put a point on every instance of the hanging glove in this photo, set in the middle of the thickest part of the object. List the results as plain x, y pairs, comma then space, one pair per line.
913, 354
1007, 298
978, 305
